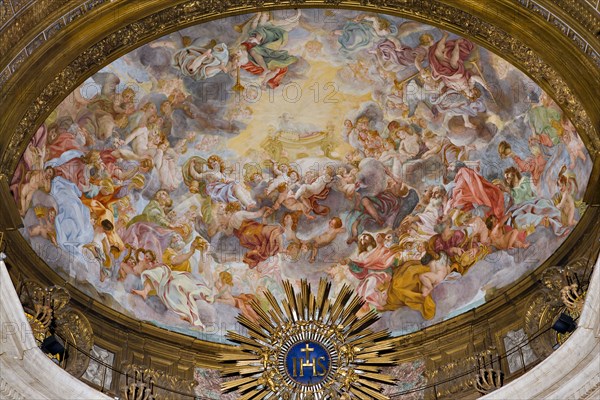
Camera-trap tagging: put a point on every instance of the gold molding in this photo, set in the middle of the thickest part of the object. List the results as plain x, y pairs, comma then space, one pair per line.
114, 29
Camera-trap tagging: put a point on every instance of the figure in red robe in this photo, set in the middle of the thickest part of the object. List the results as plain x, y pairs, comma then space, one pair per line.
471, 190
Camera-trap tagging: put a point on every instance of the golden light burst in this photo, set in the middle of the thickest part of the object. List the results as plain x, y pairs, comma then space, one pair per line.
348, 356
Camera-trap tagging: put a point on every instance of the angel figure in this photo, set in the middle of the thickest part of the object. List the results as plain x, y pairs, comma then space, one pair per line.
260, 52
286, 198
45, 226
202, 62
223, 286
36, 180
447, 59
394, 56
211, 175
564, 199
575, 146
360, 32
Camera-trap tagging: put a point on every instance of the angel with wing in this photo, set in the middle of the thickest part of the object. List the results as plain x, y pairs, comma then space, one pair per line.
360, 32
395, 56
260, 52
447, 59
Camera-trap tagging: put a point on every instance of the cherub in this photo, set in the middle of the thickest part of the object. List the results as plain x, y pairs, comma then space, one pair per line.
348, 127
477, 228
100, 246
373, 144
575, 146
219, 185
45, 228
566, 203
141, 139
326, 238
410, 143
124, 106
36, 180
145, 260
281, 175
286, 198
165, 162
181, 146
128, 265
440, 269
314, 186
391, 158
345, 182
433, 143
223, 285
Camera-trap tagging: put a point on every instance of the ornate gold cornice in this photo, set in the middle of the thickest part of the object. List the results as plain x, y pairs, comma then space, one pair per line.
576, 20
78, 50
26, 20
581, 11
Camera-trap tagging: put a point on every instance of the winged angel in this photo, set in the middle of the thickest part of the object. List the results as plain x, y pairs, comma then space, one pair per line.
257, 50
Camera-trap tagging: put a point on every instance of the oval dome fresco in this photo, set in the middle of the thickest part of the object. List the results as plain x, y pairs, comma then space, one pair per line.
185, 179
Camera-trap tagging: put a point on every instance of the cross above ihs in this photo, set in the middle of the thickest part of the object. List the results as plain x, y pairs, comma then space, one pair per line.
317, 365
307, 350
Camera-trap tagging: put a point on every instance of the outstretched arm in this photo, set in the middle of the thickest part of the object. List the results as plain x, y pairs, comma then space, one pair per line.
181, 258
254, 23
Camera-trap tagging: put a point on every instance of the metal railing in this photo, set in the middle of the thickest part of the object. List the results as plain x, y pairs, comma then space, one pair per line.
118, 374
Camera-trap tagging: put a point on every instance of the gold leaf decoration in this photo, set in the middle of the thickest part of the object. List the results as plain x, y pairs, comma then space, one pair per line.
259, 367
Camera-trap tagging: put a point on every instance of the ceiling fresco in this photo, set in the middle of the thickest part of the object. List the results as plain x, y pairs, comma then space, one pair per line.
190, 175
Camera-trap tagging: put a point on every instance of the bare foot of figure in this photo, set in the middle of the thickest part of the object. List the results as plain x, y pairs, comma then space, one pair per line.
141, 293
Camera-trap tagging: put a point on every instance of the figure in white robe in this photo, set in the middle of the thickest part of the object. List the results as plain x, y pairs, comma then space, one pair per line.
201, 63
178, 291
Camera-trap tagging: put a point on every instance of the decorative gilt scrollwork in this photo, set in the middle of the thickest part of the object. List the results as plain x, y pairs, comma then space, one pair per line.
543, 308
488, 380
562, 293
48, 313
573, 298
139, 383
143, 383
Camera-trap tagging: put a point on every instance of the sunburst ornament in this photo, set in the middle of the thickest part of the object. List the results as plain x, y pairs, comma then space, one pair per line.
309, 347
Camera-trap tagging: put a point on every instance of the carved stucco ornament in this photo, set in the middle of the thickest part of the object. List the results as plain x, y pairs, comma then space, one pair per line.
559, 294
47, 310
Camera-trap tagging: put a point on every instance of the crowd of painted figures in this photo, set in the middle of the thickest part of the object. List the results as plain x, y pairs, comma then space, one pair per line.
107, 180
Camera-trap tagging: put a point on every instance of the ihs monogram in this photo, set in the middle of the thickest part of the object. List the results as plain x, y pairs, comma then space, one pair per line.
308, 346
